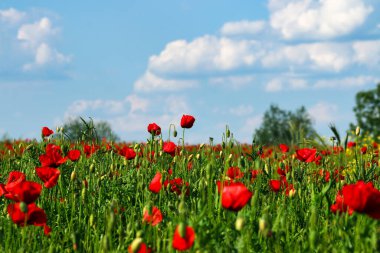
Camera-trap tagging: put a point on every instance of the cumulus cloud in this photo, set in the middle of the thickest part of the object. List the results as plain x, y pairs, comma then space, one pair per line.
232, 81
204, 54
347, 82
244, 27
151, 82
317, 19
11, 16
28, 46
324, 112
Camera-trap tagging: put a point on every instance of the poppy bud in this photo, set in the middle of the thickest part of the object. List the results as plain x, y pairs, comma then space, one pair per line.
161, 143
198, 156
83, 193
136, 244
239, 223
292, 192
175, 133
92, 167
262, 225
182, 207
91, 220
220, 153
73, 175
23, 207
182, 229
357, 131
139, 234
201, 146
190, 157
228, 133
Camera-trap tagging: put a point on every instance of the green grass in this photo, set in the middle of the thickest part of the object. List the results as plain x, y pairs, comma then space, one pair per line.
107, 215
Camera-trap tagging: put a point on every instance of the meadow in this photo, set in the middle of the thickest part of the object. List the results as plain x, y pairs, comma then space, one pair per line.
165, 196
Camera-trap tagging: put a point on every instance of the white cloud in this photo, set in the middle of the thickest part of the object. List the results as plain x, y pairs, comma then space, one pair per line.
32, 35
274, 85
367, 52
134, 103
12, 16
317, 19
241, 110
204, 54
249, 127
324, 112
46, 55
232, 81
347, 82
151, 82
244, 27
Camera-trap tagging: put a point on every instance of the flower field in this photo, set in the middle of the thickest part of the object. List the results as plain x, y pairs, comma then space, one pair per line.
165, 196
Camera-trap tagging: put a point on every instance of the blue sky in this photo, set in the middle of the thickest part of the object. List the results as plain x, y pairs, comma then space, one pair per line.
136, 62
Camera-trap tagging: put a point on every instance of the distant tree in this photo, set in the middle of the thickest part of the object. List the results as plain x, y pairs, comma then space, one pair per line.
79, 129
281, 126
367, 111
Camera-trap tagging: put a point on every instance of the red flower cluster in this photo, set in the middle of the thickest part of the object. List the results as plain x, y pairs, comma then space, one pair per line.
52, 157
152, 217
24, 193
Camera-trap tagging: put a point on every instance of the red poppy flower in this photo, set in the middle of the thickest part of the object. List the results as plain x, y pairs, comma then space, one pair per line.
128, 153
155, 185
34, 216
254, 174
339, 206
52, 157
306, 154
351, 144
153, 218
186, 242
234, 173
363, 198
280, 185
363, 150
74, 155
284, 148
48, 175
14, 178
26, 191
169, 148
141, 248
47, 230
176, 185
46, 132
275, 185
154, 129
90, 150
235, 196
187, 121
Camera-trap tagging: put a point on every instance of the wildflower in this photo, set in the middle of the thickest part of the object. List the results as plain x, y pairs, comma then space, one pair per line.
48, 175
306, 154
155, 185
187, 121
153, 218
184, 241
169, 148
235, 196
154, 129
74, 155
34, 215
46, 132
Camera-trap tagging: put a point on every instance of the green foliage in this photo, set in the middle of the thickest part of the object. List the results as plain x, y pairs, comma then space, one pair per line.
78, 129
367, 111
281, 126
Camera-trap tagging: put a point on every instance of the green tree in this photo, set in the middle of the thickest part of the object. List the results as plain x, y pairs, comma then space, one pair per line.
281, 126
79, 129
367, 111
